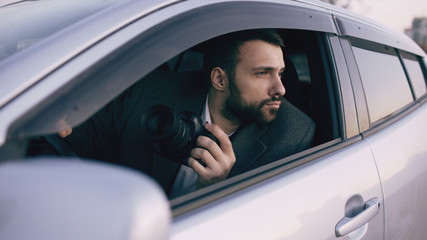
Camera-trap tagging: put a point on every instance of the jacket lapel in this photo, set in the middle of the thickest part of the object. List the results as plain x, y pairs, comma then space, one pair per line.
164, 171
247, 147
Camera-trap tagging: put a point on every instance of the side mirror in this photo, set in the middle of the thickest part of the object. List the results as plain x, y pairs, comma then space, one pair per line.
52, 198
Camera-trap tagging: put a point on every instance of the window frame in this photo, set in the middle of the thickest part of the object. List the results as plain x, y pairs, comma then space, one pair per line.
250, 178
406, 55
368, 127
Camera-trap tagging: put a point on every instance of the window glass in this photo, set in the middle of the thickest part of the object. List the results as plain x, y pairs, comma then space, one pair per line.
384, 81
415, 74
301, 65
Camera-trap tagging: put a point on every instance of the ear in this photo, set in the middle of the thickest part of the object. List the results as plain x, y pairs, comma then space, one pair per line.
219, 79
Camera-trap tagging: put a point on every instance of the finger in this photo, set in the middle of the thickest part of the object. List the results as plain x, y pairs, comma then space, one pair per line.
222, 137
203, 155
221, 159
65, 133
64, 129
209, 144
197, 166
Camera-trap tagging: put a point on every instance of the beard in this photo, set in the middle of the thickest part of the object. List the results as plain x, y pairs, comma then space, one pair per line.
239, 111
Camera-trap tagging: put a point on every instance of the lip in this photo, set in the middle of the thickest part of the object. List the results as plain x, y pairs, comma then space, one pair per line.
275, 105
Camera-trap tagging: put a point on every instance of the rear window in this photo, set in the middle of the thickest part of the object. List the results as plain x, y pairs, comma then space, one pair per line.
415, 74
384, 81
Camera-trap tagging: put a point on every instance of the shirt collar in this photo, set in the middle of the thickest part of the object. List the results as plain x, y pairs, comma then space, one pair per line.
206, 115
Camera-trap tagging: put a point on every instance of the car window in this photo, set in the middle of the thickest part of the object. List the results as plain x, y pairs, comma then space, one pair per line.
301, 64
306, 79
415, 74
384, 81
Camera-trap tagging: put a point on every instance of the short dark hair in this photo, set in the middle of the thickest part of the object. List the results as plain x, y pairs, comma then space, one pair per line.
223, 51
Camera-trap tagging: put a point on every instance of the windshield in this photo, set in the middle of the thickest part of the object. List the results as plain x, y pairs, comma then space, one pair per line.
23, 23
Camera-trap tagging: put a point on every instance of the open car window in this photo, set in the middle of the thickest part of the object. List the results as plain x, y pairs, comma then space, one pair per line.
307, 78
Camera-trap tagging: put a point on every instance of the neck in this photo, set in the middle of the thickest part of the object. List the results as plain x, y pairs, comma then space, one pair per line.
216, 103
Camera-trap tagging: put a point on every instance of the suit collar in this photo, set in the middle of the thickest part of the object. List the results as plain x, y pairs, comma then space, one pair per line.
247, 146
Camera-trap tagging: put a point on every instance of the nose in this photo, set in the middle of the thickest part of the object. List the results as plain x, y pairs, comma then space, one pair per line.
277, 87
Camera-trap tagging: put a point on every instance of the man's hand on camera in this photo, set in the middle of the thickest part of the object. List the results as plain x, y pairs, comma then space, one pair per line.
218, 159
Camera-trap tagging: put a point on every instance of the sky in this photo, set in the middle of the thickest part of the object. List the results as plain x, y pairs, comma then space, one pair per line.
397, 14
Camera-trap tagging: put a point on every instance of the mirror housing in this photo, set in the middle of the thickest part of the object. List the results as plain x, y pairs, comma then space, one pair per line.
50, 198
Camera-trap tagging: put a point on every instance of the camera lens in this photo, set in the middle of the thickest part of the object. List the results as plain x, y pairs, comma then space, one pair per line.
158, 121
171, 135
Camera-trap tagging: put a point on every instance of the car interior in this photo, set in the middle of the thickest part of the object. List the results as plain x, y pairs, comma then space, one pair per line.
307, 78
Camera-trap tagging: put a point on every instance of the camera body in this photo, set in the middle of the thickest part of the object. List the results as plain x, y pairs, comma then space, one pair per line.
173, 134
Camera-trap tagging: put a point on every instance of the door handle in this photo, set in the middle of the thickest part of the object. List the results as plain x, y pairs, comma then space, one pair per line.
348, 225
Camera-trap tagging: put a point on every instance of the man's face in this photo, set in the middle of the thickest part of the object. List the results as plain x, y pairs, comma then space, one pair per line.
256, 90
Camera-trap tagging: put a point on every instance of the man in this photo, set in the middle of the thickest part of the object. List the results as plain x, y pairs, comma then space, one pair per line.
244, 102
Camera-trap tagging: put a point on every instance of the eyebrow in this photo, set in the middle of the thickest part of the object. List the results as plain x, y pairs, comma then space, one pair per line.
265, 68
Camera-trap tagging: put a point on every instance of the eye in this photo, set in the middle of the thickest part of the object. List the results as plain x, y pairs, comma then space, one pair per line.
261, 73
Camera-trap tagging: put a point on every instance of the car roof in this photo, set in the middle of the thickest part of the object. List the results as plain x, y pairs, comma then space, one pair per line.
56, 30
27, 22
87, 22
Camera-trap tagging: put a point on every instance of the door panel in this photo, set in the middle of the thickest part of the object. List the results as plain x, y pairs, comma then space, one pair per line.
400, 151
304, 203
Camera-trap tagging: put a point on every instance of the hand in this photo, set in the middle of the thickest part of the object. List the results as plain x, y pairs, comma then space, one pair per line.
218, 159
64, 129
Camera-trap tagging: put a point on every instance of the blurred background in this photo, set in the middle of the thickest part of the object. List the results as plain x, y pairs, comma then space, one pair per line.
405, 16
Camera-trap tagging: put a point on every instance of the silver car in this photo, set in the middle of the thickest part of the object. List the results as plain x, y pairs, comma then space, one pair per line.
363, 84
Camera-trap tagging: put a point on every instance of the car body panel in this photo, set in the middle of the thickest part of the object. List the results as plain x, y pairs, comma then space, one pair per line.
400, 151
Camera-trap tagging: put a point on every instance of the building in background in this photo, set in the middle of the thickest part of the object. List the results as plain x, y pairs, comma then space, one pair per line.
418, 32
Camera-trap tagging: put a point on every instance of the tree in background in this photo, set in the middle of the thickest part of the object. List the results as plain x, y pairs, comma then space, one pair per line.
350, 4
339, 3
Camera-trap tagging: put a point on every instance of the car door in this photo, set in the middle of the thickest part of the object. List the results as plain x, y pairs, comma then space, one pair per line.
395, 86
328, 192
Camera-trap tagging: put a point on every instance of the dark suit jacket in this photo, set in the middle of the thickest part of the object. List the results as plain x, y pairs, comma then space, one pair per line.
114, 133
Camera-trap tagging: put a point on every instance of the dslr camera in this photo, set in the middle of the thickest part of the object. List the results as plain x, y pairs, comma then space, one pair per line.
173, 134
